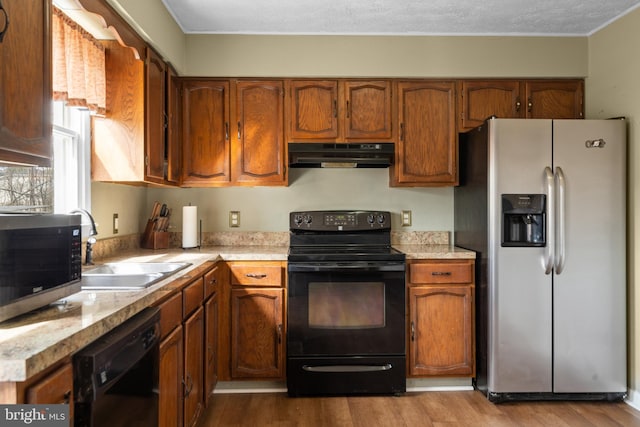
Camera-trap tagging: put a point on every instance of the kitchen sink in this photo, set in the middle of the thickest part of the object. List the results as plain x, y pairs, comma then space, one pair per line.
128, 275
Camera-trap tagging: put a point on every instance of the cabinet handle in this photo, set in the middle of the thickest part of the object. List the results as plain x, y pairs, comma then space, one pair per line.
188, 385
413, 331
226, 131
441, 273
256, 275
66, 398
279, 332
6, 22
335, 108
518, 104
348, 110
239, 130
529, 105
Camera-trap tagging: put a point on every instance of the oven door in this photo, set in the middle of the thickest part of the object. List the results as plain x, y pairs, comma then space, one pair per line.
346, 309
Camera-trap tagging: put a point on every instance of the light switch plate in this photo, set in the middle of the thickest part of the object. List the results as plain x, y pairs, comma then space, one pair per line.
115, 223
234, 219
406, 218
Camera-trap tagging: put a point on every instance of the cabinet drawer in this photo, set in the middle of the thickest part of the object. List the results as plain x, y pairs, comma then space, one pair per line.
192, 296
211, 280
256, 275
446, 272
170, 314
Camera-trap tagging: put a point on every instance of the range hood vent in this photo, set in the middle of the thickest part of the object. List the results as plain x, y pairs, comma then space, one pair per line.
328, 155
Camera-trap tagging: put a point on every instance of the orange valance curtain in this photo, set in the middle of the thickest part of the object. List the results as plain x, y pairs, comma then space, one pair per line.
78, 65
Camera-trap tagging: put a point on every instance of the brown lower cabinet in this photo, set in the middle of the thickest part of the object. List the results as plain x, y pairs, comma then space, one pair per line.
54, 385
440, 327
252, 321
187, 370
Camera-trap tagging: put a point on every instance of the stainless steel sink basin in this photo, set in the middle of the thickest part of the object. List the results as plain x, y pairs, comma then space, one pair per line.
128, 275
119, 281
119, 268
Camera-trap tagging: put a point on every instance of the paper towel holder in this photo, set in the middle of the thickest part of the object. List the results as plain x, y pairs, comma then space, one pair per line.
190, 237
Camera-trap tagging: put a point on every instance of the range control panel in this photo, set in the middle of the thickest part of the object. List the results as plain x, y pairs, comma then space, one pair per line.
340, 220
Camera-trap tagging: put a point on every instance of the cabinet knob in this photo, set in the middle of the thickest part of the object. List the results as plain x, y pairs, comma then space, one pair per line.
518, 104
529, 105
6, 22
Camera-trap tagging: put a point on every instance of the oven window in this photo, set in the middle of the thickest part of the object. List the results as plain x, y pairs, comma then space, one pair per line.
346, 305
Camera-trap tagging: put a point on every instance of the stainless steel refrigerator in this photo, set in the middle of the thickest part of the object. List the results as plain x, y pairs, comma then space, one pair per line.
543, 204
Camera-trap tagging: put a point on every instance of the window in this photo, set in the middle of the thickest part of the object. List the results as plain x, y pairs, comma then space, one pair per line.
63, 187
71, 158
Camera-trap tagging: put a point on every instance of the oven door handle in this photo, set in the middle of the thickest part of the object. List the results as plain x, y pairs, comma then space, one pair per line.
297, 267
347, 368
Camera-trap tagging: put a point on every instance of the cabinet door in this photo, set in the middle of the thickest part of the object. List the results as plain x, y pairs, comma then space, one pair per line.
25, 83
193, 366
441, 330
56, 387
313, 110
367, 110
155, 117
257, 333
174, 144
481, 99
258, 157
170, 386
559, 99
427, 150
210, 346
205, 132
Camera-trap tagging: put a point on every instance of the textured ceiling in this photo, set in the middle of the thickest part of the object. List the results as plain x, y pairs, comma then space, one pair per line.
397, 17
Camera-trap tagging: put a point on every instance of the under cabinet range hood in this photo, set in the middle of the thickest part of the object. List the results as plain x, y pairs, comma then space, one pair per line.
330, 155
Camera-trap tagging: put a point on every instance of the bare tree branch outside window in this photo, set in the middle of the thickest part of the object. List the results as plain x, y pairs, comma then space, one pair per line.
26, 189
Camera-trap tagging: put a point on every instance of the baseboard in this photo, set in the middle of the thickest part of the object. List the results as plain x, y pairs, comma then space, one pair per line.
633, 399
413, 385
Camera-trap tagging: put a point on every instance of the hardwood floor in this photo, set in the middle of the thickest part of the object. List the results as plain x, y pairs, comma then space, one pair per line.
455, 408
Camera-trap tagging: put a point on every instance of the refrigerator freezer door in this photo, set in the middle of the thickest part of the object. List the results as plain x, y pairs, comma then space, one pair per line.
519, 294
589, 293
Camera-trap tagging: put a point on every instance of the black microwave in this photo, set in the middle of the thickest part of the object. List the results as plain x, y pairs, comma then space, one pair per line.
40, 261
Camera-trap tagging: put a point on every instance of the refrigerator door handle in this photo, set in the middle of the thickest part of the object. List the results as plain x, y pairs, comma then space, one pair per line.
549, 256
560, 235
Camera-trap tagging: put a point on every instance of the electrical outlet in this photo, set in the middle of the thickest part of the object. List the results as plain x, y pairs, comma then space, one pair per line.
406, 218
115, 223
234, 219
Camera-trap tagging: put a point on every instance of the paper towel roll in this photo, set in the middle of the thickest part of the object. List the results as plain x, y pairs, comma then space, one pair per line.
189, 226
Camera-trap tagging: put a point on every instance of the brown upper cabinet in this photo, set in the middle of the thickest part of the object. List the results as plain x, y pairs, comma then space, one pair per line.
427, 147
536, 99
25, 86
206, 149
130, 141
233, 132
340, 110
258, 155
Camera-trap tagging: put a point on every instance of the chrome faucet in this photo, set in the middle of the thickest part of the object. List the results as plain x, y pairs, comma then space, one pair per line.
91, 240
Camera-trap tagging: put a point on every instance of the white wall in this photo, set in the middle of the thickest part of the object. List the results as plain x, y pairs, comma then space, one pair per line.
613, 89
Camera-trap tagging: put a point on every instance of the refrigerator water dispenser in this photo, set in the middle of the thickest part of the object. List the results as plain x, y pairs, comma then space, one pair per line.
523, 220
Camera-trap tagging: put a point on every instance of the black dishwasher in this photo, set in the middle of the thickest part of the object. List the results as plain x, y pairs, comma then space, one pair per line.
116, 376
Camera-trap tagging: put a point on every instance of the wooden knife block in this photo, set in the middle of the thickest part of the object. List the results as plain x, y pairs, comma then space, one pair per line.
154, 239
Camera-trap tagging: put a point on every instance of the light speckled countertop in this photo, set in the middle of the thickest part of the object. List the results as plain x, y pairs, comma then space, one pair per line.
32, 342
